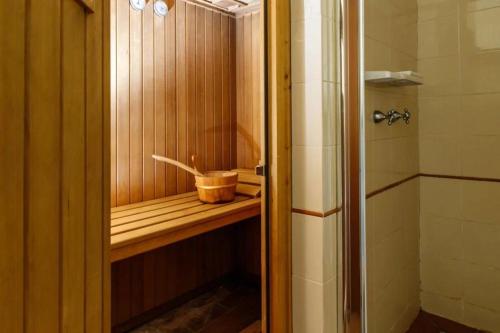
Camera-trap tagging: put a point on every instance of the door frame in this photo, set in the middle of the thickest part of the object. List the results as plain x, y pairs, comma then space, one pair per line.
277, 71
278, 144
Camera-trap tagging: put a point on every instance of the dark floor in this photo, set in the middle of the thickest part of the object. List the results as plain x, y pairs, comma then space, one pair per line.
227, 309
428, 323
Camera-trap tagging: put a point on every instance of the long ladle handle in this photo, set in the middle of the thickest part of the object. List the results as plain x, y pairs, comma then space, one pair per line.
193, 159
178, 164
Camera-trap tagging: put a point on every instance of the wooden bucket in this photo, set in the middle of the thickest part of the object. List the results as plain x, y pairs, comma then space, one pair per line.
217, 186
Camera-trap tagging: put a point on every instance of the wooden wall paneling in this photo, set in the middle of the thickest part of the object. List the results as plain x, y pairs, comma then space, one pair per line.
136, 105
169, 272
148, 111
73, 168
171, 104
247, 89
209, 95
181, 94
191, 87
201, 58
233, 90
217, 56
113, 97
249, 251
12, 183
173, 95
122, 103
44, 168
160, 274
149, 288
225, 128
159, 102
255, 90
137, 280
121, 292
240, 105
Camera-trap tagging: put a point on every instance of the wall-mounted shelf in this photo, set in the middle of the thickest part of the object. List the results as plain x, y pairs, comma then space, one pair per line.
387, 78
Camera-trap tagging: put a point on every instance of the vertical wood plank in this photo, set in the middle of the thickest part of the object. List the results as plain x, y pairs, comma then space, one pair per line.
95, 142
43, 176
161, 263
159, 102
225, 116
240, 105
12, 143
113, 105
181, 94
148, 103
256, 85
247, 90
217, 56
149, 281
233, 90
122, 96
191, 87
200, 88
209, 93
73, 168
171, 103
136, 103
137, 285
121, 279
104, 9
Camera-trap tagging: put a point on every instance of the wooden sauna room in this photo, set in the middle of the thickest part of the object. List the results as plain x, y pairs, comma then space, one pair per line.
186, 84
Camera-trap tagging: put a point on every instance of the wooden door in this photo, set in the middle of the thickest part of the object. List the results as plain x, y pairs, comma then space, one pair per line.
54, 192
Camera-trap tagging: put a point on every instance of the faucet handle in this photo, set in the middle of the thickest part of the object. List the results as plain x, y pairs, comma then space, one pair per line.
378, 116
393, 116
406, 116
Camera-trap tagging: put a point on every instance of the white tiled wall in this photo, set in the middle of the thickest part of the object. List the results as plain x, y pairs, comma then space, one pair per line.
392, 217
315, 275
460, 244
390, 45
393, 258
459, 56
315, 140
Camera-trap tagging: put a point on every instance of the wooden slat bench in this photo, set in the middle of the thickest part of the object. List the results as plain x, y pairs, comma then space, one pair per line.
144, 226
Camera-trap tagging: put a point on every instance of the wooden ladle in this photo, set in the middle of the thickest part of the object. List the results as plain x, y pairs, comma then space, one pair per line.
178, 164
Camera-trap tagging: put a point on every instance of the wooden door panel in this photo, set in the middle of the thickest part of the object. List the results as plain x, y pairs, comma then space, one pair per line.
56, 123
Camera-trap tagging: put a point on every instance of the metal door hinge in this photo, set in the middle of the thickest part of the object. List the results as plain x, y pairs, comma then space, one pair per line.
260, 170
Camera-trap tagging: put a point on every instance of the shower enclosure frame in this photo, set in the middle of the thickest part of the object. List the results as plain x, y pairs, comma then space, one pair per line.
353, 161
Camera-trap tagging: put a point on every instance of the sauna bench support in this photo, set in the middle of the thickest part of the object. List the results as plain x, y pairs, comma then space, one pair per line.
148, 225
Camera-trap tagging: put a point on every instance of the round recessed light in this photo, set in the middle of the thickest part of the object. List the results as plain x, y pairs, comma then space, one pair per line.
161, 8
138, 4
